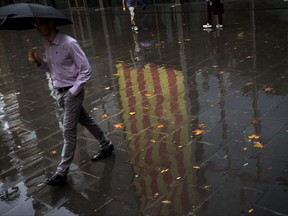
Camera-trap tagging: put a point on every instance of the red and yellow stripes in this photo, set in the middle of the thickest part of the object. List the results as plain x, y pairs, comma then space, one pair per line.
157, 96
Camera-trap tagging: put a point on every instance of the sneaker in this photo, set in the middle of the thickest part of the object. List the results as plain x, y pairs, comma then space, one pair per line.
56, 180
219, 26
103, 152
134, 28
207, 26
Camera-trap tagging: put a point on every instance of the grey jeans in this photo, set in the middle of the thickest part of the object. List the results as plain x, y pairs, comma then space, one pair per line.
75, 112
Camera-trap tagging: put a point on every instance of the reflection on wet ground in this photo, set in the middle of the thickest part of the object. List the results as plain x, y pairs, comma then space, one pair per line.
199, 119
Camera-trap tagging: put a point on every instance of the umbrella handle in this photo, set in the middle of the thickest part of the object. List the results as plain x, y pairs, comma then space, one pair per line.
3, 21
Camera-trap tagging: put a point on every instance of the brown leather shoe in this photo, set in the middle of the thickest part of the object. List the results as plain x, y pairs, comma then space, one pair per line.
103, 152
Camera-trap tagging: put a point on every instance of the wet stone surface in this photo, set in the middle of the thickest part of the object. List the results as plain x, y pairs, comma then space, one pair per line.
199, 119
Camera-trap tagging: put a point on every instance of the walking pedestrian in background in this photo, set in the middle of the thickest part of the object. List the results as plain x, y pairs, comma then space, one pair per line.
131, 5
69, 70
214, 7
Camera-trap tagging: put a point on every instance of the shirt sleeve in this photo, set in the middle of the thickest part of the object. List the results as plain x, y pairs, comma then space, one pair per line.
44, 66
83, 66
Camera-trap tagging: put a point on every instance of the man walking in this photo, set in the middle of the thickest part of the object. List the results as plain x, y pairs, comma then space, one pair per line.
70, 70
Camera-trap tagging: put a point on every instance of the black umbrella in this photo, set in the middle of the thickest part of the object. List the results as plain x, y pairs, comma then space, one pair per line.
22, 16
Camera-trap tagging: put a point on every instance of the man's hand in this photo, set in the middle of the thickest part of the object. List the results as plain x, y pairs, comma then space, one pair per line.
33, 57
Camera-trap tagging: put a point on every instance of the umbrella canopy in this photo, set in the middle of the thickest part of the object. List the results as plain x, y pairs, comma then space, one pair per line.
22, 16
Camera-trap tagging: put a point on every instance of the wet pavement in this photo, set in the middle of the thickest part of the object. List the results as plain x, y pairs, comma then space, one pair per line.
199, 119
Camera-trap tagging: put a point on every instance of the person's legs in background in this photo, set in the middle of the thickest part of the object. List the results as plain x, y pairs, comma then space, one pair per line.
220, 20
132, 19
208, 15
220, 11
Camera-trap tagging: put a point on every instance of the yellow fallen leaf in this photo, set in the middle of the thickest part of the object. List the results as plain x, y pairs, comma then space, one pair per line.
253, 136
53, 152
116, 75
165, 170
198, 131
160, 126
153, 140
214, 66
250, 83
132, 113
196, 167
105, 115
156, 195
201, 125
148, 94
251, 210
269, 89
118, 125
258, 145
166, 201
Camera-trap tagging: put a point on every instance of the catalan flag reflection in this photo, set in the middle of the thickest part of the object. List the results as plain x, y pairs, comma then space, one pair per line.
157, 132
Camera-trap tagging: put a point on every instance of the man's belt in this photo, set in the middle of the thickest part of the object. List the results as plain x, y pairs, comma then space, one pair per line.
63, 89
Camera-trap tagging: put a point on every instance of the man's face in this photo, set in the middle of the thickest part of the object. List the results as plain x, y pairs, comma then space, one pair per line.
43, 26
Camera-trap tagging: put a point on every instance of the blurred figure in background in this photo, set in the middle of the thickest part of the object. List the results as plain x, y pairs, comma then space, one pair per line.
137, 54
131, 5
217, 8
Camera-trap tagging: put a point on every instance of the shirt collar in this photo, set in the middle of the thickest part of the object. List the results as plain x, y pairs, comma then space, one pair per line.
57, 39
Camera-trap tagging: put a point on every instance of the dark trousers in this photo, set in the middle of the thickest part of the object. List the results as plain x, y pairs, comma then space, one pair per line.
209, 14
